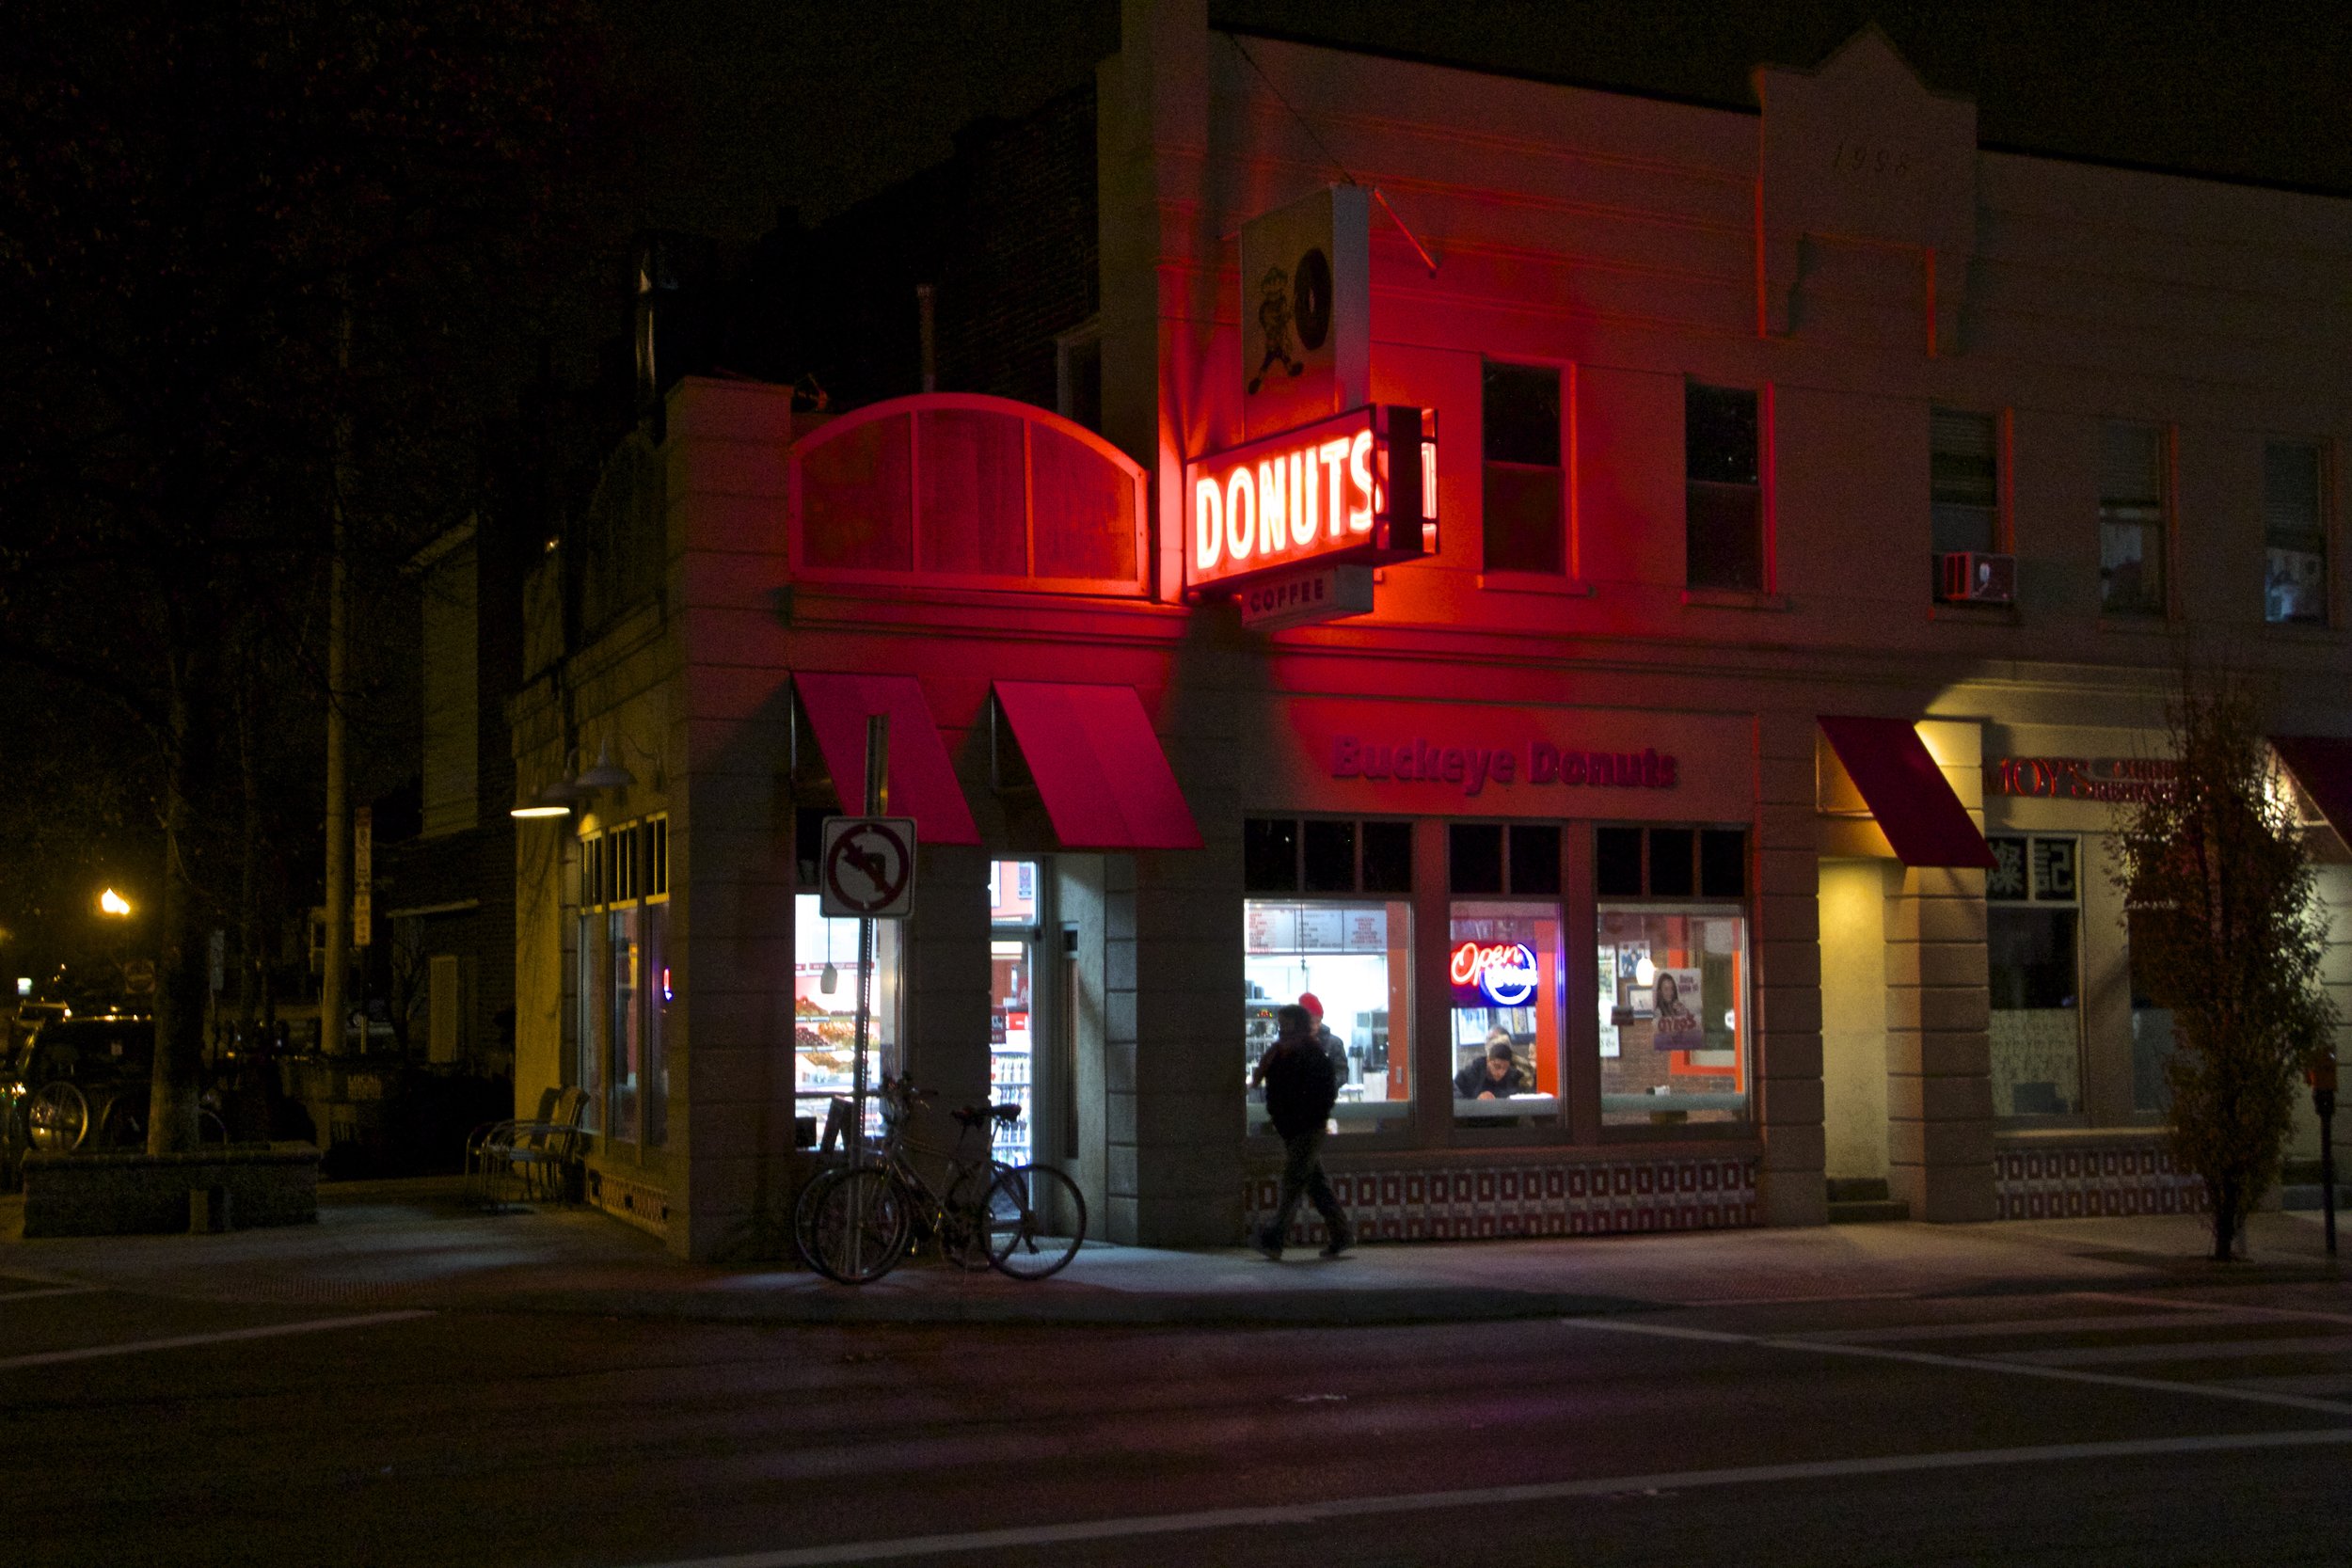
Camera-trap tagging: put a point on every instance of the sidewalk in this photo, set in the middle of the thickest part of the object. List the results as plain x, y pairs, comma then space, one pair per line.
416, 1243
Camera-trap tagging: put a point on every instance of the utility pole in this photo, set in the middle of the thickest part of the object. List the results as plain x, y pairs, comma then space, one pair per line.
332, 1005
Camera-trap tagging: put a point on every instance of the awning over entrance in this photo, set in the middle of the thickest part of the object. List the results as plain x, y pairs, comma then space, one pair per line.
922, 779
1106, 781
2322, 764
1906, 792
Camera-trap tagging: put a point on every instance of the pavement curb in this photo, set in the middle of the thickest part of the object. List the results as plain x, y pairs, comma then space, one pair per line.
846, 1308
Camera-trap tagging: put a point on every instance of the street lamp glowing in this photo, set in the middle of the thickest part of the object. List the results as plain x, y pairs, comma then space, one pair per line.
114, 903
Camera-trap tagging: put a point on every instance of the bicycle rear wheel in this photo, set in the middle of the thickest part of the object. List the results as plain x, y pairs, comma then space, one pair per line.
859, 1226
964, 1238
1037, 1218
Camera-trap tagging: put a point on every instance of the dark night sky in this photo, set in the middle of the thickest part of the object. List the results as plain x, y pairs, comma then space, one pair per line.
816, 105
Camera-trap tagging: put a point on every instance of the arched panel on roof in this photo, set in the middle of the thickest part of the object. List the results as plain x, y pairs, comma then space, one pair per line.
956, 490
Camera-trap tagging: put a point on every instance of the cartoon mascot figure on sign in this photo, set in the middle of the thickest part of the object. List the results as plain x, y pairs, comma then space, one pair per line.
1274, 321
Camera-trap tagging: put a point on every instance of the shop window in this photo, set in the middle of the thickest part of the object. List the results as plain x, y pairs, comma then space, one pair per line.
1347, 947
1524, 493
2153, 1039
1286, 854
1508, 977
1328, 850
1354, 959
1670, 862
1013, 915
1964, 480
1012, 892
1723, 496
2033, 922
825, 984
2295, 539
1479, 855
624, 987
2130, 520
1673, 975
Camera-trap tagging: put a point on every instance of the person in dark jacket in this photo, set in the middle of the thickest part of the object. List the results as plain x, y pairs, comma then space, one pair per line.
1323, 1038
1497, 1075
1300, 1090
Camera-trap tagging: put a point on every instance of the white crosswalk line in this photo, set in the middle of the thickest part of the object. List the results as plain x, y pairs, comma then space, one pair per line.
1968, 1363
46, 1291
184, 1342
2192, 1350
1324, 1514
2021, 1327
2321, 1384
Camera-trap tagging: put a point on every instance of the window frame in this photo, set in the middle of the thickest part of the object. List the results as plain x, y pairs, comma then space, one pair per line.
1699, 903
1766, 550
2160, 609
623, 868
1409, 1135
2000, 513
1568, 576
2322, 533
2077, 907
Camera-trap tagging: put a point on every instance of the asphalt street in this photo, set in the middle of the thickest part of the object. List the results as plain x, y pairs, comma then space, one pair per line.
2209, 1425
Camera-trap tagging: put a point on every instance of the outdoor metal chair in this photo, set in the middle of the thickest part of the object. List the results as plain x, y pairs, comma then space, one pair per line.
529, 1160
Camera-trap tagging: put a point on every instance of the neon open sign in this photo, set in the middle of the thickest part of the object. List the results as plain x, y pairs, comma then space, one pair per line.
1501, 972
1323, 493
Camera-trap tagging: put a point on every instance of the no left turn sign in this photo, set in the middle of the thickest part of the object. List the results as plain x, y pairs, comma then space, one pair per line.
866, 871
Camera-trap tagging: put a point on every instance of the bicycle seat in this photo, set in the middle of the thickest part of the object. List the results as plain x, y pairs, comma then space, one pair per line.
973, 1116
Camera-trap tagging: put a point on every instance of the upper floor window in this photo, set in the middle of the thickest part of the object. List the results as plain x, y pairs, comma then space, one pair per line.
2295, 538
1524, 496
1724, 517
2130, 520
1964, 480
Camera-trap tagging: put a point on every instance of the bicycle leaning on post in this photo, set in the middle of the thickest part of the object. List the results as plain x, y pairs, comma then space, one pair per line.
854, 1225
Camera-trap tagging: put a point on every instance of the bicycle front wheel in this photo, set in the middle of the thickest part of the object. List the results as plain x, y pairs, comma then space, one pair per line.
860, 1225
1037, 1218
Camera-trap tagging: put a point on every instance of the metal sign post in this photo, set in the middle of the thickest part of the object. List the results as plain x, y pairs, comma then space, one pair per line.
877, 797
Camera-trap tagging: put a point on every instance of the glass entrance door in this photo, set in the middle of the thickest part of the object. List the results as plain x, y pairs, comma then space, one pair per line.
1012, 1019
1011, 1041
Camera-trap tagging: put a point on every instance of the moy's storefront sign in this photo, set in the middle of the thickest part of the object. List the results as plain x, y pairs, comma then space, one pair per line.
2104, 779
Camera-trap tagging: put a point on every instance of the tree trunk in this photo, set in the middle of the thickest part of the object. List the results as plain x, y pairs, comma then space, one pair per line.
2223, 1196
182, 966
250, 883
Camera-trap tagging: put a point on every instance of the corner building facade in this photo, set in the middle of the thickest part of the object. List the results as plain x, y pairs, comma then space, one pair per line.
1820, 502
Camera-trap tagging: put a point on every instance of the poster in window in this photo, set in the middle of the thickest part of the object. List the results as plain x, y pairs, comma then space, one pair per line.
1367, 931
1676, 999
1609, 1045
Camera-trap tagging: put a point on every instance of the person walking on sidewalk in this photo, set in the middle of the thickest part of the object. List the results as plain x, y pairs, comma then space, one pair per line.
1300, 1090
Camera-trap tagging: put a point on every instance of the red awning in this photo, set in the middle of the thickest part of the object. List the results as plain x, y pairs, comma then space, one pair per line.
1906, 792
922, 779
1105, 781
2322, 764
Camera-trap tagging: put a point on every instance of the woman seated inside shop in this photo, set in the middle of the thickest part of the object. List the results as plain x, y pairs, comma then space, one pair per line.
1496, 1075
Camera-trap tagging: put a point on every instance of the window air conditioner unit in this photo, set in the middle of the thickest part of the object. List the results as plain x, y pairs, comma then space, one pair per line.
1971, 576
